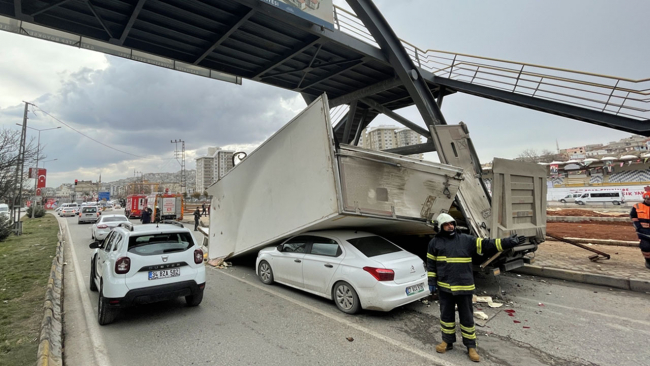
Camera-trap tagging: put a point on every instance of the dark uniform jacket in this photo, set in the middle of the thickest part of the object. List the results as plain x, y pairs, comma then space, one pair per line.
449, 260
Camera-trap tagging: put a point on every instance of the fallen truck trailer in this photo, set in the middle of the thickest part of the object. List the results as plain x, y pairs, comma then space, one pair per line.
300, 179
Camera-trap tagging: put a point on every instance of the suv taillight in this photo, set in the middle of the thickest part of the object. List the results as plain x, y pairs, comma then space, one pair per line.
102, 226
381, 274
198, 256
123, 265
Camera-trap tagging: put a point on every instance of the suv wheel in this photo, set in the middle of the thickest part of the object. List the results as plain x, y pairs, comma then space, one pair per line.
563, 201
194, 300
105, 315
345, 298
265, 273
93, 285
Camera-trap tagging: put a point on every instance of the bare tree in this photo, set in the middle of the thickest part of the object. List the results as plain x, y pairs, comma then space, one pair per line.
9, 161
528, 156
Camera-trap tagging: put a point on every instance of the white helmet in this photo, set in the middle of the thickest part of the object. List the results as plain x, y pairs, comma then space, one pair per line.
444, 218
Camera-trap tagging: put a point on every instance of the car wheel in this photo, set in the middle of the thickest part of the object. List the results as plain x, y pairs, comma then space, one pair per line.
93, 285
563, 201
346, 298
105, 315
194, 300
616, 203
265, 273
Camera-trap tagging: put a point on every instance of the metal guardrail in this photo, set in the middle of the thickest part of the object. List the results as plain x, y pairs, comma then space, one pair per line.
604, 93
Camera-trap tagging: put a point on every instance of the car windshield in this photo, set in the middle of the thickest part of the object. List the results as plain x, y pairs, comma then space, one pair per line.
160, 243
4, 209
372, 246
114, 219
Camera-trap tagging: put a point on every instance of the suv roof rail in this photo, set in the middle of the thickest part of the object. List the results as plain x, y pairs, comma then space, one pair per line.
126, 225
172, 222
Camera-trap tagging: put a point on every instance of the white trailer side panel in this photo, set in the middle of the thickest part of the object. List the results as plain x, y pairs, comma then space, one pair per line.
286, 184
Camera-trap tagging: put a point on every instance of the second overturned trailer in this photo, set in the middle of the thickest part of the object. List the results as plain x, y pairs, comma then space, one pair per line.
301, 179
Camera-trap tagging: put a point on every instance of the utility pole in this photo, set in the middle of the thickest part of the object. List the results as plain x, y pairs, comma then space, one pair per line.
181, 161
20, 166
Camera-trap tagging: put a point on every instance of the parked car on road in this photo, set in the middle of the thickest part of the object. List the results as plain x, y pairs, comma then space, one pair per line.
143, 264
105, 224
357, 270
88, 214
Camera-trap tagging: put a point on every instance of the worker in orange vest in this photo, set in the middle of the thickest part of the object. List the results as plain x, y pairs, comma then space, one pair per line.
640, 216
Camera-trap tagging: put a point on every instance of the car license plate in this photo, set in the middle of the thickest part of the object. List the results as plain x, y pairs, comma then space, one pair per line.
412, 290
165, 273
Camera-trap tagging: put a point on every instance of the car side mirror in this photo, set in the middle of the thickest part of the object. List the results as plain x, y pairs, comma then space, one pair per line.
95, 245
279, 248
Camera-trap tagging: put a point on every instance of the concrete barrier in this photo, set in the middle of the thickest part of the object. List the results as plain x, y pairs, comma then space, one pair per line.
50, 347
624, 283
616, 243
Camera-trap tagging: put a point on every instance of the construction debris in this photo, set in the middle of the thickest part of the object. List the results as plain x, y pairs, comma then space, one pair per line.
480, 315
486, 299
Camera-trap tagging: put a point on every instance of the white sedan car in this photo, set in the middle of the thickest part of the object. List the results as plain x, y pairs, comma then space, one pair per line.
357, 270
105, 224
68, 211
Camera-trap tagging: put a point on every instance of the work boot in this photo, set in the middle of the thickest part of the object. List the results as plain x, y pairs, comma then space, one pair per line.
444, 347
647, 264
473, 355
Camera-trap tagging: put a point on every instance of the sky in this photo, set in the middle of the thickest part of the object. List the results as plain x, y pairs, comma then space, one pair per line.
138, 108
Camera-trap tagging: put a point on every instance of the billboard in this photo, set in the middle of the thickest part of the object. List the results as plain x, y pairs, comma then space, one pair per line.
319, 12
39, 174
104, 196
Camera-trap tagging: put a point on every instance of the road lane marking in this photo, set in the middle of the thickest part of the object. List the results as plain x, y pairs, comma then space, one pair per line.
421, 353
96, 339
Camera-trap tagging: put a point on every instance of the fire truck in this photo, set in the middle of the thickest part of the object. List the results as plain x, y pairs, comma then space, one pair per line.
134, 205
165, 206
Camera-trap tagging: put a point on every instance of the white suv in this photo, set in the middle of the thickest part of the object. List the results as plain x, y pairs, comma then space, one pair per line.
142, 264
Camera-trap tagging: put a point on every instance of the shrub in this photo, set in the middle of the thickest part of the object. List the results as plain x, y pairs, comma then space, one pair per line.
40, 212
5, 227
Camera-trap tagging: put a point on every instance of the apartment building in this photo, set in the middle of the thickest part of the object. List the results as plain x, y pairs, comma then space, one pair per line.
389, 137
212, 167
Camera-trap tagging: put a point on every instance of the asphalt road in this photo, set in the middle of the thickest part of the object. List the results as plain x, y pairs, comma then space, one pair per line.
243, 322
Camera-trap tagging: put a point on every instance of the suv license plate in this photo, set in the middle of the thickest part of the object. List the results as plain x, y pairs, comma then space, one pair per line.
165, 273
412, 290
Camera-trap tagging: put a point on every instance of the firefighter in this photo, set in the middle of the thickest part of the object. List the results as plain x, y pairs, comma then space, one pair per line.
197, 218
640, 216
449, 268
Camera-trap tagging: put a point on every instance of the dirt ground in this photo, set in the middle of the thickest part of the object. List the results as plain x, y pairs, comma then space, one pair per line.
586, 213
592, 230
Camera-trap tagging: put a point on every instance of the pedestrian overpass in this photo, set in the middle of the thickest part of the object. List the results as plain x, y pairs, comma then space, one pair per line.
358, 61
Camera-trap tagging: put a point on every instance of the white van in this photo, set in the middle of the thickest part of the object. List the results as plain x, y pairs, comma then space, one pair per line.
615, 197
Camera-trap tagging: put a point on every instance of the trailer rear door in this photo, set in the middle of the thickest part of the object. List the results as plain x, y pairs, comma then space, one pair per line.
518, 199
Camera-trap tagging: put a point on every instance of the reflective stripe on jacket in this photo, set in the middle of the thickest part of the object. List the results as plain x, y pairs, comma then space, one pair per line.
449, 260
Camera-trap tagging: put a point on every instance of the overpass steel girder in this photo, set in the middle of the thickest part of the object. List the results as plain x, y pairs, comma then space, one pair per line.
544, 105
407, 72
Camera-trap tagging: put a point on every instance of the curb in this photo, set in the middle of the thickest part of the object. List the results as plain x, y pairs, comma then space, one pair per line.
616, 243
50, 345
631, 284
585, 218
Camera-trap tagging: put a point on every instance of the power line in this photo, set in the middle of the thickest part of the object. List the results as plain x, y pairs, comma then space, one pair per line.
97, 141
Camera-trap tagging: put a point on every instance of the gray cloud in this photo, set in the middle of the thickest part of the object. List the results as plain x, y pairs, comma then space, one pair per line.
138, 108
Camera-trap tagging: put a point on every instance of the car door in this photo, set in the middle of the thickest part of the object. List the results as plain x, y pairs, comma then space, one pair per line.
320, 263
288, 262
103, 253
